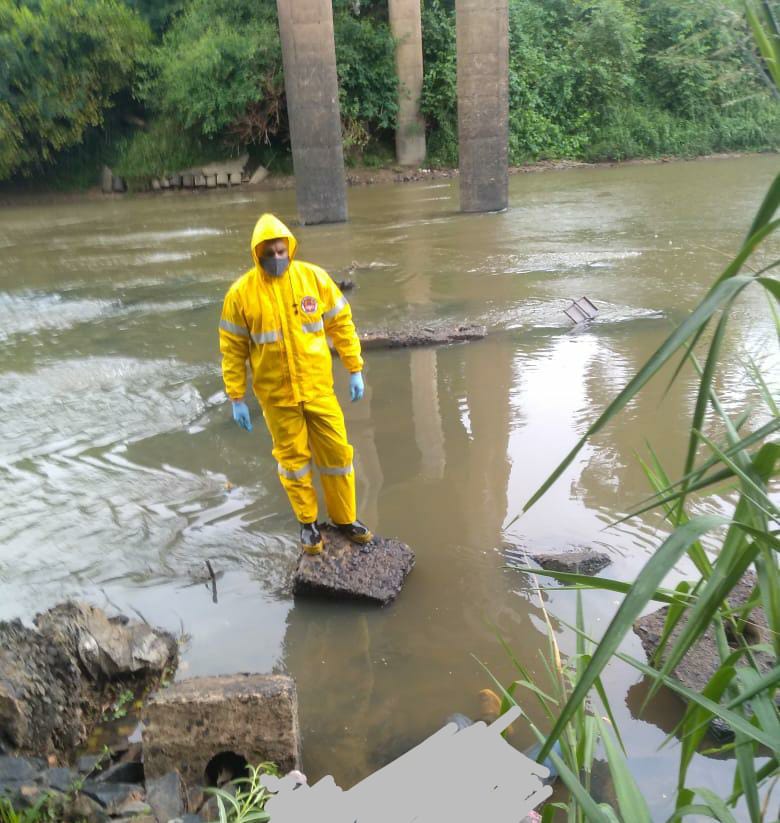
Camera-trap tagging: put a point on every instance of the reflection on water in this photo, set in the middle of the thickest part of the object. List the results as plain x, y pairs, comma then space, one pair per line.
122, 472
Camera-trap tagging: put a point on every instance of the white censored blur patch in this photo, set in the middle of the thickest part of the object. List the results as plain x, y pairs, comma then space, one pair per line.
458, 776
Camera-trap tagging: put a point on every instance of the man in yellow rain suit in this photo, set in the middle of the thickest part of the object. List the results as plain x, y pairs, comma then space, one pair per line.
279, 315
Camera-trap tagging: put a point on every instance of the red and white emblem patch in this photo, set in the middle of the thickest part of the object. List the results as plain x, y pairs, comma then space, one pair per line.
309, 305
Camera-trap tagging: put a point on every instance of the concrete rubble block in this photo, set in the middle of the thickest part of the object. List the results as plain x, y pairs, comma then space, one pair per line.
223, 178
167, 796
211, 181
258, 175
175, 180
702, 660
228, 167
580, 561
156, 185
200, 181
187, 180
165, 183
199, 723
236, 179
376, 571
106, 180
421, 336
117, 184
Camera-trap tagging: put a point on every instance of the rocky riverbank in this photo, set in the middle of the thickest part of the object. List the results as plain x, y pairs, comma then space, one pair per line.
62, 677
109, 185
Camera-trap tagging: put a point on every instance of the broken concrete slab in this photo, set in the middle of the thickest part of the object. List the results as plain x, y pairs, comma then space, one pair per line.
194, 722
236, 166
580, 561
106, 180
421, 336
376, 571
258, 175
55, 678
702, 661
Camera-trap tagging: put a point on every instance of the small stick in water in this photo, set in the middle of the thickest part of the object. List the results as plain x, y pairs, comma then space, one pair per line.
213, 581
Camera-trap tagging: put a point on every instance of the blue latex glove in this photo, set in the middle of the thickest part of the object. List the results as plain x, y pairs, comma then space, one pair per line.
356, 386
241, 415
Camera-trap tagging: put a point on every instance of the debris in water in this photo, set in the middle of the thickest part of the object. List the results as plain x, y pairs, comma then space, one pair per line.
581, 310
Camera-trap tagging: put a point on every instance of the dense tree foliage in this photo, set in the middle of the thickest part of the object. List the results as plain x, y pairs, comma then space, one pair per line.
591, 79
62, 60
609, 79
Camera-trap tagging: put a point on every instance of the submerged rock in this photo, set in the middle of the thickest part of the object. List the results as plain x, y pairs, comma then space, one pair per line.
55, 678
421, 336
702, 660
375, 571
581, 561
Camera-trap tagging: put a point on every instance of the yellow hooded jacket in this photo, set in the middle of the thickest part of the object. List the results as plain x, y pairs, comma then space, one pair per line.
282, 324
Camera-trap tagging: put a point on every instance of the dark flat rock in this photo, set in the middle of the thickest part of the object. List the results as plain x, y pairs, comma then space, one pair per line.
88, 763
122, 772
421, 336
167, 796
19, 769
112, 796
581, 561
703, 660
375, 571
60, 778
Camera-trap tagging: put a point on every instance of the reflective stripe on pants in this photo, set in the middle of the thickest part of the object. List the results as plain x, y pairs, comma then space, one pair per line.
314, 430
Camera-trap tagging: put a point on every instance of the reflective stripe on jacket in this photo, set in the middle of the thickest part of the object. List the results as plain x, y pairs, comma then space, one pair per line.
281, 324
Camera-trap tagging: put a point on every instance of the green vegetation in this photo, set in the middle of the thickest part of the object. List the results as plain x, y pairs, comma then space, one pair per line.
736, 455
63, 62
153, 86
37, 813
244, 799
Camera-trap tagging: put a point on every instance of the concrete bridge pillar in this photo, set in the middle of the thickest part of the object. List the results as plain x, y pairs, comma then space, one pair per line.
482, 28
309, 57
405, 23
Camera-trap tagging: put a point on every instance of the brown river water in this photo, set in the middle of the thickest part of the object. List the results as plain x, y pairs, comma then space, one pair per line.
121, 470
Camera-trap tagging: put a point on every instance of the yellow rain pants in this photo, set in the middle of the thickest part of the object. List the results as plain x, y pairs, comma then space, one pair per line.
309, 435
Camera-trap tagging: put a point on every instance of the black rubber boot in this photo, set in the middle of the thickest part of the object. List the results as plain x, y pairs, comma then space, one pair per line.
311, 538
357, 532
